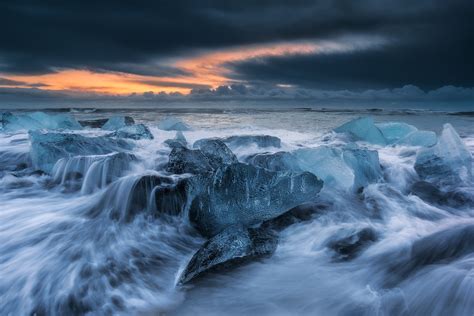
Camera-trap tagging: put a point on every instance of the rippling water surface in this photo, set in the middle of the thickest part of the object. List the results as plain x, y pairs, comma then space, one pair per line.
66, 250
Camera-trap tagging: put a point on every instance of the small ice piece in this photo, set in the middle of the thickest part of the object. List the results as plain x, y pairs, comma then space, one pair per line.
393, 131
449, 162
48, 148
363, 129
117, 122
38, 120
419, 138
171, 123
178, 141
137, 131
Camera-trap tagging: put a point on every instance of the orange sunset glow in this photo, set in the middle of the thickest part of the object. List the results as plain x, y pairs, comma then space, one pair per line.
204, 69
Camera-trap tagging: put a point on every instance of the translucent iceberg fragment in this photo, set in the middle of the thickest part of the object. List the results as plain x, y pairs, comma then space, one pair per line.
95, 171
248, 140
48, 148
215, 149
232, 247
279, 161
137, 131
38, 120
347, 168
243, 194
448, 162
328, 164
117, 122
393, 131
178, 141
171, 123
363, 129
419, 138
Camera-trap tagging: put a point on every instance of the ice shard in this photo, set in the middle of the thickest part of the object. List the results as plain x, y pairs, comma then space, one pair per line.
363, 129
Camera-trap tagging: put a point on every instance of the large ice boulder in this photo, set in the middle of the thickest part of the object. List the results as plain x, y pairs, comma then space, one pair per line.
348, 168
255, 140
394, 131
38, 120
136, 131
212, 154
117, 122
279, 161
234, 246
449, 162
216, 149
48, 148
171, 123
243, 194
363, 129
419, 138
96, 171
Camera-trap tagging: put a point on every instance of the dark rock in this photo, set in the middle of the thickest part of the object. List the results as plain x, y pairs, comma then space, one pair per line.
247, 140
351, 246
243, 194
428, 192
280, 161
232, 247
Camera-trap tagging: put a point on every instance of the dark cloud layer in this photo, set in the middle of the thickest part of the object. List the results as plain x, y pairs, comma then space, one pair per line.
431, 43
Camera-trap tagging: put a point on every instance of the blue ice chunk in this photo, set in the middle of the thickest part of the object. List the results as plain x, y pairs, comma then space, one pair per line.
449, 162
363, 129
279, 161
38, 120
94, 171
137, 131
117, 122
419, 138
48, 148
241, 194
215, 149
248, 140
394, 131
171, 123
348, 168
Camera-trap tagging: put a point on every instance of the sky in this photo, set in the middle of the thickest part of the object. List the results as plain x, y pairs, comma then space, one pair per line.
321, 49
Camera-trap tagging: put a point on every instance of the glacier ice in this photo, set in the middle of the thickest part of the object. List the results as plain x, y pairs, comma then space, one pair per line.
347, 168
38, 120
248, 140
95, 171
448, 162
233, 246
178, 141
136, 131
215, 149
171, 123
117, 122
279, 161
212, 154
363, 129
419, 138
243, 194
394, 131
47, 148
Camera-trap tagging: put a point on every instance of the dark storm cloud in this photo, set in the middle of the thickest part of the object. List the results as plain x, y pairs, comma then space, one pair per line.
8, 82
431, 41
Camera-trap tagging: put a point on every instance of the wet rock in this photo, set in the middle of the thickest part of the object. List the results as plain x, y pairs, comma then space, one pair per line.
184, 160
351, 246
232, 247
178, 141
96, 123
432, 194
246, 195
